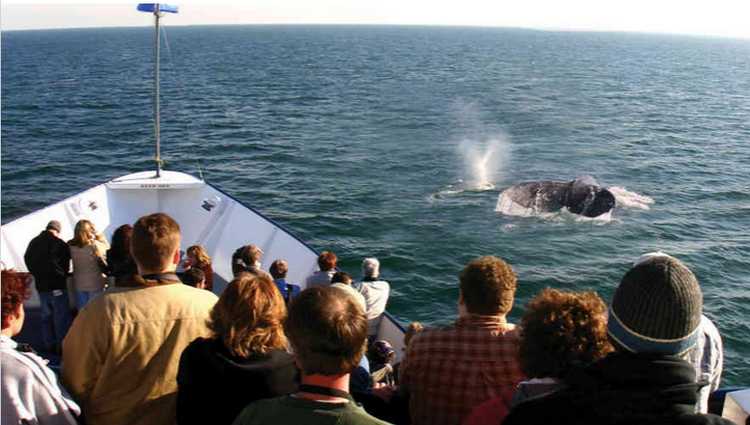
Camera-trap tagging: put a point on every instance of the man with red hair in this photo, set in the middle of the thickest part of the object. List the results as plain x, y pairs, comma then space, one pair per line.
327, 264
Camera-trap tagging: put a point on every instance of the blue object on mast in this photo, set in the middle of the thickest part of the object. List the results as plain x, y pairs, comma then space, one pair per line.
152, 7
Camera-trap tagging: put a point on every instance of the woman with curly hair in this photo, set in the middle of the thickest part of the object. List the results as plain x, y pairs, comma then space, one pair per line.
560, 331
245, 360
198, 257
30, 390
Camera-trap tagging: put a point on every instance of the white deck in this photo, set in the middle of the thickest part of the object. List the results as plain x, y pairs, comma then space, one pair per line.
207, 216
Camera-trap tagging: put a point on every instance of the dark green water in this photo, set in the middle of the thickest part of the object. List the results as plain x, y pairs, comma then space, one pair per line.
356, 139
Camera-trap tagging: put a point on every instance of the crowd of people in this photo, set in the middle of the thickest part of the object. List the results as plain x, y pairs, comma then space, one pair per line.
158, 348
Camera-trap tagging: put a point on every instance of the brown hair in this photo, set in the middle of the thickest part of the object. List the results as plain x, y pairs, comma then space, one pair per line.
193, 276
560, 330
249, 316
244, 259
155, 239
411, 331
121, 241
82, 234
279, 269
327, 330
341, 277
200, 254
488, 285
15, 290
327, 261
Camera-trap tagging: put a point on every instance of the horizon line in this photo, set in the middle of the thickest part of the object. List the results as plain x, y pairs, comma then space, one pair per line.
477, 26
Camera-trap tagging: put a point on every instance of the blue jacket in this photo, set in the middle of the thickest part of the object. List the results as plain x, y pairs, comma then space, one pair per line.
284, 288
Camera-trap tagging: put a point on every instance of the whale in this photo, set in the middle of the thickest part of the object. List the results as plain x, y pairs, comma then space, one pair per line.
582, 196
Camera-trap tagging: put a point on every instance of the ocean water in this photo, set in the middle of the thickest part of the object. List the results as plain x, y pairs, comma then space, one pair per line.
396, 141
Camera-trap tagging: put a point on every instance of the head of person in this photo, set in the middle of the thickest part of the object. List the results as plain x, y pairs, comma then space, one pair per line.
561, 330
249, 316
121, 240
370, 268
15, 290
488, 286
246, 259
381, 352
279, 269
341, 277
194, 277
327, 330
656, 308
198, 255
327, 261
155, 243
411, 331
54, 227
83, 234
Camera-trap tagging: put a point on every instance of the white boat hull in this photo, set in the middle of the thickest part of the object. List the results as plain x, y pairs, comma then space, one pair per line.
207, 217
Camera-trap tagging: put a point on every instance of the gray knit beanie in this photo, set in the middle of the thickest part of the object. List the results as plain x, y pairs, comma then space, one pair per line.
657, 307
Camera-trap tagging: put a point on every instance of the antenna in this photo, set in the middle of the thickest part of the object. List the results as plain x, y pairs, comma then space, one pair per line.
157, 9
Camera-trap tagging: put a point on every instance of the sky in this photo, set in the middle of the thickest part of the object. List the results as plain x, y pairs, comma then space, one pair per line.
724, 18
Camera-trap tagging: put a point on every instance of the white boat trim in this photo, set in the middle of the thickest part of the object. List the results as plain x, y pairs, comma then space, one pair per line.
207, 216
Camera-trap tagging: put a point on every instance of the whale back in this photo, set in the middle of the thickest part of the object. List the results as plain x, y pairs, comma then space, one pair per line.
540, 196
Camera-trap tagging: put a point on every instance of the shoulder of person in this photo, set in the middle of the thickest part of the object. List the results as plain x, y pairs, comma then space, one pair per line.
259, 410
27, 367
357, 415
189, 293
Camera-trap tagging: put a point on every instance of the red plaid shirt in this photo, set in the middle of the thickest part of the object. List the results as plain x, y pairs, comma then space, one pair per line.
449, 371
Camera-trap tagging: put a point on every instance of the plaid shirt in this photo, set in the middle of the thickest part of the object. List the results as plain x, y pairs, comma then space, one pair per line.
449, 371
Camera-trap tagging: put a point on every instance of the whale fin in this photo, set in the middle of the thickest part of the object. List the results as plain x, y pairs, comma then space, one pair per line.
584, 180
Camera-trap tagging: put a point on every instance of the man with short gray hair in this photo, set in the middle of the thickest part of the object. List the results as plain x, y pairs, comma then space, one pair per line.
375, 291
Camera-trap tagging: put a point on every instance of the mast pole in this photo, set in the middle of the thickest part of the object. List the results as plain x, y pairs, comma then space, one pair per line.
156, 90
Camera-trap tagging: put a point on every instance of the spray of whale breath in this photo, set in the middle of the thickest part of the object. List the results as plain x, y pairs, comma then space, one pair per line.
484, 162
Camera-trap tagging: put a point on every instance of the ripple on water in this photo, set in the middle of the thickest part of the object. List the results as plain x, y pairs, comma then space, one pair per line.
349, 137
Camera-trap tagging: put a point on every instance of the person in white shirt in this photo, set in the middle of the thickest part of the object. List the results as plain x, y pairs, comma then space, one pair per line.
375, 291
30, 390
327, 264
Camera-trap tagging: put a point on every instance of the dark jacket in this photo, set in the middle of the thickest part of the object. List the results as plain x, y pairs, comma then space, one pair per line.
214, 386
622, 388
48, 258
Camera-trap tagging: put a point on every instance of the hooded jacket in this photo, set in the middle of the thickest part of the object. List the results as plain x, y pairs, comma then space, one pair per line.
622, 388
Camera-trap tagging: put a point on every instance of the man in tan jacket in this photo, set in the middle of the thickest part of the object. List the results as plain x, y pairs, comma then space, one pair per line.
121, 354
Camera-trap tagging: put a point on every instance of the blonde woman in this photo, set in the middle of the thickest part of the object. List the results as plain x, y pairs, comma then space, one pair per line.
246, 359
87, 250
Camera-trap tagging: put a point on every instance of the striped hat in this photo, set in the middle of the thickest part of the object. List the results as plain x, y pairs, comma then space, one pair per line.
657, 307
